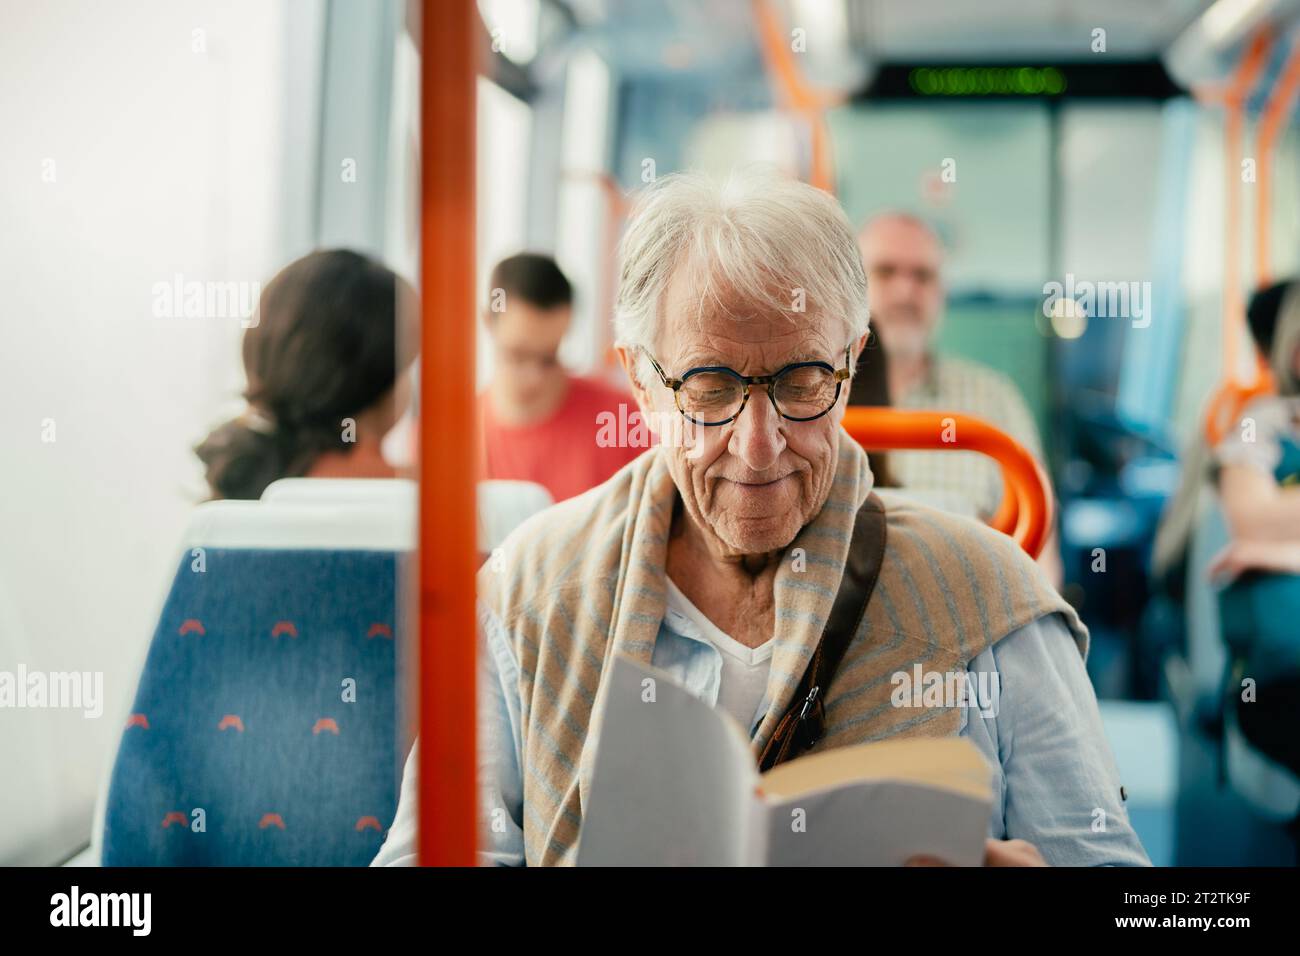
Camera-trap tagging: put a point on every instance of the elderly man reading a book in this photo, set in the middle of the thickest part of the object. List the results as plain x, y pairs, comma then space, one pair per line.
746, 558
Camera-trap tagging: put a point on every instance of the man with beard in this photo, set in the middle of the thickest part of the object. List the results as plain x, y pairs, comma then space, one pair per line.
903, 259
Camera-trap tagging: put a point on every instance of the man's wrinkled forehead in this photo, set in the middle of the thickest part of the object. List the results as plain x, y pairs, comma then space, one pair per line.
738, 330
704, 299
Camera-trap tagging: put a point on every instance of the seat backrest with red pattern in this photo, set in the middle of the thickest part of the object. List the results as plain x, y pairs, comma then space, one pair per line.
264, 726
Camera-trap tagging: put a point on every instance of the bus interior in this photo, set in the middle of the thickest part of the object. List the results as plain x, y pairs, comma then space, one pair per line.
1110, 183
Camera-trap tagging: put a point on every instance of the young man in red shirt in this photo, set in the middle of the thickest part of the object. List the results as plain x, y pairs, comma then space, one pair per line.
540, 423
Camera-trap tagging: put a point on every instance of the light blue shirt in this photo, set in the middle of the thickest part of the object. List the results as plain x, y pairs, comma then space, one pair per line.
1055, 781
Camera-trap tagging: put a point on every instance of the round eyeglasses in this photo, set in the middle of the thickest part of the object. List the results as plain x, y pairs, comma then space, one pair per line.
716, 395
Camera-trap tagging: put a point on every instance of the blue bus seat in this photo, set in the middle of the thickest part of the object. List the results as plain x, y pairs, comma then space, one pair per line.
1257, 618
264, 729
1270, 788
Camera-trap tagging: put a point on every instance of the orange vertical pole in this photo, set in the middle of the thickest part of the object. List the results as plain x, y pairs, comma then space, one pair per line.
447, 666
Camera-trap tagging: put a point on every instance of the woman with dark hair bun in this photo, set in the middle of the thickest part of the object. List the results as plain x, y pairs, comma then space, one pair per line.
327, 366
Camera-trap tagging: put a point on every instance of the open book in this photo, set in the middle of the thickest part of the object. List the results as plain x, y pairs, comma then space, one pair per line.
676, 784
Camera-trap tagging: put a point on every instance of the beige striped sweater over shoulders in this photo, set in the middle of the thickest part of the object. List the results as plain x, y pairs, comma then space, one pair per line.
585, 580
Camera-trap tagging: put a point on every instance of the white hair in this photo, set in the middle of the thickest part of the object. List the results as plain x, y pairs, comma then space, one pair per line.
756, 241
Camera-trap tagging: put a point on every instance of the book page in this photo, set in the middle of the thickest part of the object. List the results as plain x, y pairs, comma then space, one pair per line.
950, 762
883, 823
674, 780
880, 804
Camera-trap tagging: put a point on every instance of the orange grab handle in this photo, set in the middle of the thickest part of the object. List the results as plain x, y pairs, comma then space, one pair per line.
1026, 510
1228, 401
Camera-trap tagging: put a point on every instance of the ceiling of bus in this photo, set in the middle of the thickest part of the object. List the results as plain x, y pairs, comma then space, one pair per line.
671, 36
1009, 29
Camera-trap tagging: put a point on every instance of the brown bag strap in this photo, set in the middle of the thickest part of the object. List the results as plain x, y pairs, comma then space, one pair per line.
805, 721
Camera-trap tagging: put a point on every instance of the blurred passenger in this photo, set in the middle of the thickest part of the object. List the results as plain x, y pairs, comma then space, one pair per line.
717, 557
1251, 467
1257, 468
903, 258
327, 367
539, 423
1258, 462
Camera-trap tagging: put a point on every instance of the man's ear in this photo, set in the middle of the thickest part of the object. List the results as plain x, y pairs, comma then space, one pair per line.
859, 345
629, 358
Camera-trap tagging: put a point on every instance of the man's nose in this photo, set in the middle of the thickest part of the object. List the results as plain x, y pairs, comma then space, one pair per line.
899, 285
756, 435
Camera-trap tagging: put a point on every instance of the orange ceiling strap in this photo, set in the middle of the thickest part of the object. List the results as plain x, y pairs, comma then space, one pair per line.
1281, 102
1234, 100
1231, 395
794, 92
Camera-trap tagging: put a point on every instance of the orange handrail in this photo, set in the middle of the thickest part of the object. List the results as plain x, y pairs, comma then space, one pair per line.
447, 651
1027, 510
